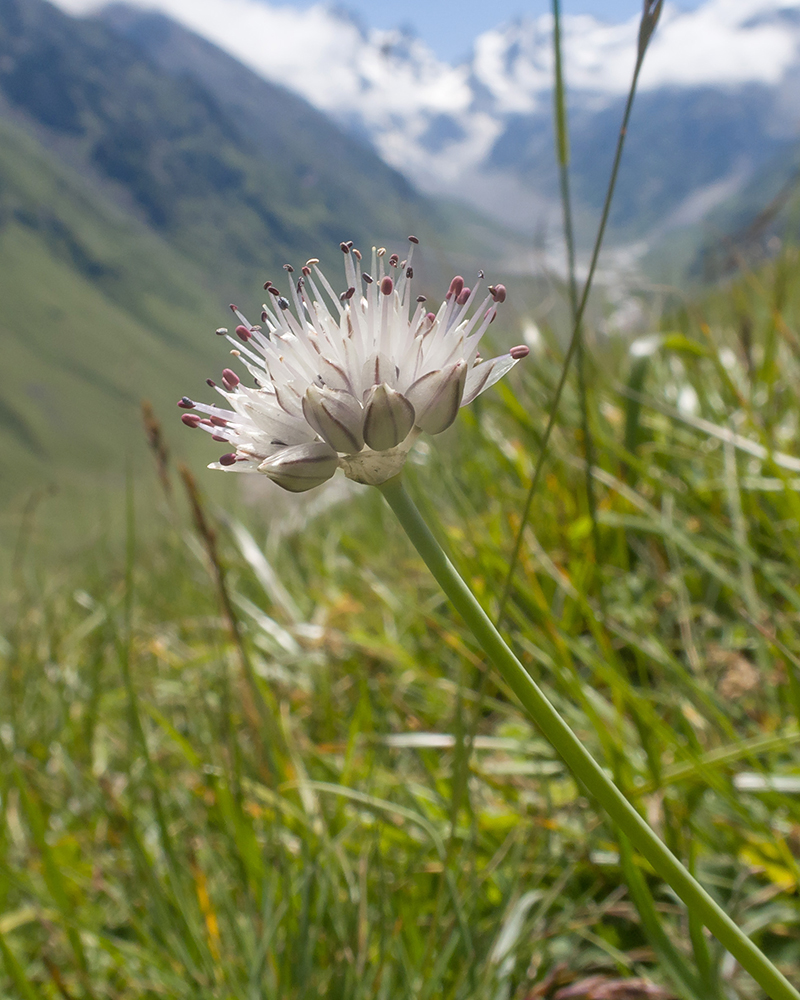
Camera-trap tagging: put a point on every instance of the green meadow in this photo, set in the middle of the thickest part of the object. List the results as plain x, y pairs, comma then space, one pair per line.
259, 756
248, 750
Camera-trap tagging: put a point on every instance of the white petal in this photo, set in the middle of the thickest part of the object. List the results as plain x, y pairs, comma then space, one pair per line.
485, 374
336, 416
388, 418
302, 467
437, 396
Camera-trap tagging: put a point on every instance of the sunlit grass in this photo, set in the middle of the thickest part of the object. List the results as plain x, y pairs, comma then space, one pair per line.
378, 819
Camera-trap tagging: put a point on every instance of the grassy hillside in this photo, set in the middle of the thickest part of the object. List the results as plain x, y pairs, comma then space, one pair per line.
135, 204
97, 313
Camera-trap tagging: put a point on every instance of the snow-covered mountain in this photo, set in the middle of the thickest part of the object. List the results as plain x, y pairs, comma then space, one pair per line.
719, 97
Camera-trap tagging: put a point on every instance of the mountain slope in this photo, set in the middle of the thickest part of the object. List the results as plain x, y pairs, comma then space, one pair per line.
236, 195
718, 98
97, 313
135, 204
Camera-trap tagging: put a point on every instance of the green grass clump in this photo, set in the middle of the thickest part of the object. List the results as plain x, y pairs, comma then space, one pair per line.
317, 789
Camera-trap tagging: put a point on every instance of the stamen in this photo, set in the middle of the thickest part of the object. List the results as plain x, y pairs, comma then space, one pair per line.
456, 286
230, 379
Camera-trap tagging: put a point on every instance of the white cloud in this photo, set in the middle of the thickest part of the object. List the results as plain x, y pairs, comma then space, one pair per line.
396, 87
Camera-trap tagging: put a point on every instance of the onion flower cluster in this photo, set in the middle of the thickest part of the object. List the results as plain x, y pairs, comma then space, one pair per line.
348, 380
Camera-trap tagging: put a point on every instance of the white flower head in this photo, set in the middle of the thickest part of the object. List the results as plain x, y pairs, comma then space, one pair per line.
349, 381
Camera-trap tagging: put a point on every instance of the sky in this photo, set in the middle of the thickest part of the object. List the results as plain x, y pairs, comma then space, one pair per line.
448, 27
451, 27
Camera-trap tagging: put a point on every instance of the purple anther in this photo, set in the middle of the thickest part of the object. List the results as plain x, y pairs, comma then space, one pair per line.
227, 459
185, 403
344, 248
387, 285
267, 284
421, 298
273, 291
218, 437
393, 260
463, 296
456, 285
219, 421
207, 422
519, 352
367, 277
409, 272
233, 308
349, 294
413, 239
211, 382
230, 378
306, 270
221, 331
498, 292
288, 268
430, 317
243, 333
263, 315
356, 254
190, 419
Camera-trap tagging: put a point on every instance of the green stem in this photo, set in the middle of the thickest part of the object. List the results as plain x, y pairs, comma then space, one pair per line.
580, 762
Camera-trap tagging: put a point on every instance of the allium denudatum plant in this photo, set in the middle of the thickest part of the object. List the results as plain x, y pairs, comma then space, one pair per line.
350, 383
354, 388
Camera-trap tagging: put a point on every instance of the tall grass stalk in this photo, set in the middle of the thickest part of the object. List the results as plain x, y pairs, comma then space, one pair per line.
562, 155
647, 25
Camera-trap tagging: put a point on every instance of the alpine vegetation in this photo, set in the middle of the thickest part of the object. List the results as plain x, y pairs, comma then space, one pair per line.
350, 380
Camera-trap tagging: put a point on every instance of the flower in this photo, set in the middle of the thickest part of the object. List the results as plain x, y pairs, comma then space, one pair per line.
349, 382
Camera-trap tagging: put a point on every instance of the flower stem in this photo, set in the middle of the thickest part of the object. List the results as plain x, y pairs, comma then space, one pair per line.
580, 762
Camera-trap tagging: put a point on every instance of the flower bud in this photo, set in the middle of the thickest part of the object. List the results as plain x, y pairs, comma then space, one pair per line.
388, 417
301, 467
437, 396
336, 416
